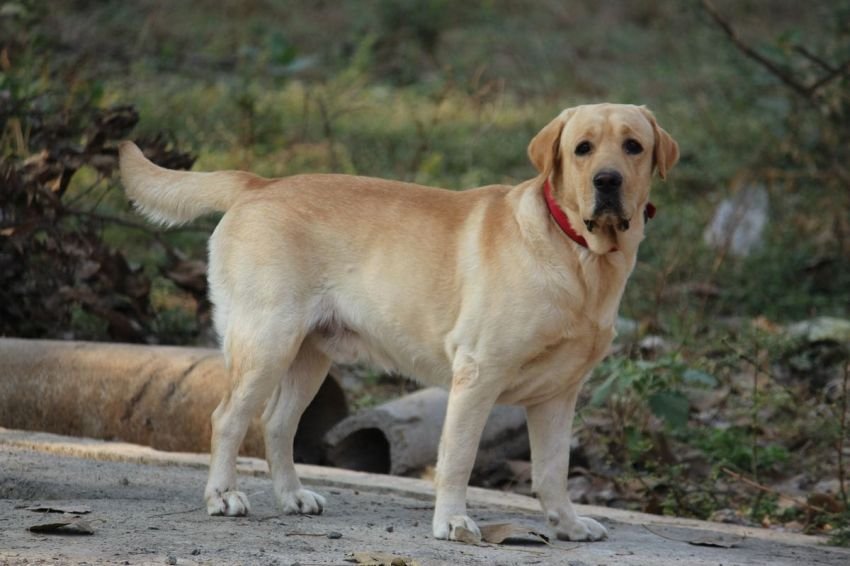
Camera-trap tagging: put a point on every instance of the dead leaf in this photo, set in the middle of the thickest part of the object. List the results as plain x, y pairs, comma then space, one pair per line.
69, 509
497, 533
69, 527
710, 539
381, 559
826, 501
190, 274
462, 534
719, 541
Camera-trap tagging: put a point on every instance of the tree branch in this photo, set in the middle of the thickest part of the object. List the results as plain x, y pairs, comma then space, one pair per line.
803, 50
837, 72
810, 91
780, 73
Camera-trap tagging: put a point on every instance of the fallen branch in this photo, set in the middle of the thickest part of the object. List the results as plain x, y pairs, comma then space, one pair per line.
766, 489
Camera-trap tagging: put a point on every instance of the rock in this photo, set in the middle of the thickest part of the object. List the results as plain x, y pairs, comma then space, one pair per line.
653, 345
627, 329
739, 222
820, 329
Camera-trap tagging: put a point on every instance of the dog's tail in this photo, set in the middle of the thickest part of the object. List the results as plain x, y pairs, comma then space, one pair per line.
176, 197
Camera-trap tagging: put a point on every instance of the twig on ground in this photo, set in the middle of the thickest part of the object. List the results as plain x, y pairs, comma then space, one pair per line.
192, 510
656, 533
766, 489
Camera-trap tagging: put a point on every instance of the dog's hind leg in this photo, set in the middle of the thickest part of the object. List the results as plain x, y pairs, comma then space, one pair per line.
280, 420
258, 352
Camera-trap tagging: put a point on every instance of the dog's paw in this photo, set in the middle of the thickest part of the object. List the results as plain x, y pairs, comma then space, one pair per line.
457, 527
229, 503
582, 529
301, 501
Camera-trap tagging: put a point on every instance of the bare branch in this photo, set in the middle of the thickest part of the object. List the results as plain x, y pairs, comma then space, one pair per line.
804, 51
810, 91
842, 69
752, 53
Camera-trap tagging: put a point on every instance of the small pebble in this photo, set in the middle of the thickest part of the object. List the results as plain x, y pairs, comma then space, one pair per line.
390, 529
196, 551
171, 560
334, 534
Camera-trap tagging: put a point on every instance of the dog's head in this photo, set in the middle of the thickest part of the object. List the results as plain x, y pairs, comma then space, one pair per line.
599, 159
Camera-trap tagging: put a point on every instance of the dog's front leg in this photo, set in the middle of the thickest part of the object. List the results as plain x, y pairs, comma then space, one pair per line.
470, 402
549, 430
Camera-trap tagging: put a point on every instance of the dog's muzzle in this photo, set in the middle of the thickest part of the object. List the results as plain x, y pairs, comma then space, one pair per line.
609, 208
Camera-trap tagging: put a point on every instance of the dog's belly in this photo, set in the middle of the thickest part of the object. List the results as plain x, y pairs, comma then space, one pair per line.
345, 345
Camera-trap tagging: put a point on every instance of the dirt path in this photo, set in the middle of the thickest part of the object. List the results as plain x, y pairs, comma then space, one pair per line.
150, 513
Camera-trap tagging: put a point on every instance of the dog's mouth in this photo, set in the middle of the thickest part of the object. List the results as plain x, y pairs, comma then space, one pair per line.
607, 215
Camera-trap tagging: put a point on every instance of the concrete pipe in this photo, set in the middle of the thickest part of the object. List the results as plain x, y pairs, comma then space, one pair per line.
159, 396
401, 436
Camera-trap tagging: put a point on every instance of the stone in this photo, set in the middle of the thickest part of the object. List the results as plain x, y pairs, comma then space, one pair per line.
739, 221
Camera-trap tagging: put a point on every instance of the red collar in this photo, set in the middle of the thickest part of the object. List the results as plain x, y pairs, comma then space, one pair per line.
561, 219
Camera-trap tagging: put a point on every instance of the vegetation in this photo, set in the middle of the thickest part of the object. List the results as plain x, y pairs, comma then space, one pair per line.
722, 413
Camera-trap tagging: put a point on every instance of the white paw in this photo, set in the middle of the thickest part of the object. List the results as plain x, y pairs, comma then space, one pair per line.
301, 501
230, 503
458, 527
582, 529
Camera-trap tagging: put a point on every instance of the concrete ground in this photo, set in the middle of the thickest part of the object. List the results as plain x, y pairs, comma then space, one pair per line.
146, 509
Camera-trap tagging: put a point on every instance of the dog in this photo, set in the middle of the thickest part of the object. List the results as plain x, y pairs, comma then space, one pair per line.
500, 294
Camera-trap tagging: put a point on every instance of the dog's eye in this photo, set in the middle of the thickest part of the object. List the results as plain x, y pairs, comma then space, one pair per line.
632, 147
583, 148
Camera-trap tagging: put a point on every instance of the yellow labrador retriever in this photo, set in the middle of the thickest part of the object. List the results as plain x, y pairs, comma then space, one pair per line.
501, 294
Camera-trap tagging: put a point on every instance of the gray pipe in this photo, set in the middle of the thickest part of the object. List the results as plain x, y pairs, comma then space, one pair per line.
401, 436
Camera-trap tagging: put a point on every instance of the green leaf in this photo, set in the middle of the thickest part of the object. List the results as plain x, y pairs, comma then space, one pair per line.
697, 377
672, 406
605, 389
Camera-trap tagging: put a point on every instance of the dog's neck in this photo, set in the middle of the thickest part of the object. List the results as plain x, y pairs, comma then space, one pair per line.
564, 258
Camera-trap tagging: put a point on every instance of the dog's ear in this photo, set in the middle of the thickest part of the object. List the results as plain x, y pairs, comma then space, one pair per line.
544, 149
666, 151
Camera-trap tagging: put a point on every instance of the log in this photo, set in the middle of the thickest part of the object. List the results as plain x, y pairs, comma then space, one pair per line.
159, 396
401, 436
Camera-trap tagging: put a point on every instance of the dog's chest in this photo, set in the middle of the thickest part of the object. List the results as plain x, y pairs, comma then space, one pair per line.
560, 362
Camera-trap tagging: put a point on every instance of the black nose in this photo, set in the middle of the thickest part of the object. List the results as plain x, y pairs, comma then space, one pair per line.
607, 181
